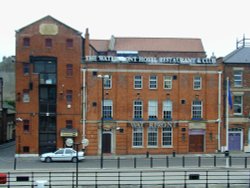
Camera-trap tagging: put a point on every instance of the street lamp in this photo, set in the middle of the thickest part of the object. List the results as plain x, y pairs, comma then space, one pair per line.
102, 119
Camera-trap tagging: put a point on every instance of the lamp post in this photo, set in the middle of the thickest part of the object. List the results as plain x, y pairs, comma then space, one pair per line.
102, 119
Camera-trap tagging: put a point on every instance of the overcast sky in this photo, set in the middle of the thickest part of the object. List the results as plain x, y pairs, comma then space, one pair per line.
219, 23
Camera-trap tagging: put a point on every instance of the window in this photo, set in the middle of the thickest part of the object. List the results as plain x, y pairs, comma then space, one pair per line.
197, 109
48, 42
167, 110
107, 82
167, 82
138, 82
107, 109
69, 70
26, 125
137, 136
167, 136
26, 68
238, 74
69, 96
238, 105
69, 124
153, 82
69, 43
26, 96
26, 42
60, 151
197, 83
138, 109
152, 136
152, 109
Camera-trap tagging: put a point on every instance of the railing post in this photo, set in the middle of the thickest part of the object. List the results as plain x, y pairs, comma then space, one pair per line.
183, 161
199, 161
96, 183
206, 179
245, 162
167, 162
228, 179
185, 177
134, 162
8, 179
163, 179
73, 179
151, 162
140, 179
215, 161
50, 180
118, 162
32, 179
119, 179
230, 161
15, 163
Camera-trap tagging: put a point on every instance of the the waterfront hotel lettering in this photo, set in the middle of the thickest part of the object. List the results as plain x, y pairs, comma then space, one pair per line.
151, 60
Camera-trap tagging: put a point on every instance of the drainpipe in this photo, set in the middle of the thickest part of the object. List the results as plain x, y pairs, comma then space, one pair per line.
84, 96
219, 110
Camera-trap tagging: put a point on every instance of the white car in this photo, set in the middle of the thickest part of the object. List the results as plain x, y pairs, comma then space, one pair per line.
62, 154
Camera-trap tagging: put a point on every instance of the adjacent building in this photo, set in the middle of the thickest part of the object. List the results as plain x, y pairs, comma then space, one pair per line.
237, 72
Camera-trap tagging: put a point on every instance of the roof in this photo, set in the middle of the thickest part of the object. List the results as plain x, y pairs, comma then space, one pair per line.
150, 44
240, 55
49, 18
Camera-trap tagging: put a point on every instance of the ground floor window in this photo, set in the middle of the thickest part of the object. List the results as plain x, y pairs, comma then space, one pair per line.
137, 136
152, 136
167, 136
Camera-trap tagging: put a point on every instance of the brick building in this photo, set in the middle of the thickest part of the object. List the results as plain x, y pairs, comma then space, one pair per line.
161, 94
48, 85
237, 70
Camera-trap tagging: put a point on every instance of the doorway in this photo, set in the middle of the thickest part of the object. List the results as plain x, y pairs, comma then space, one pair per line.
196, 143
107, 139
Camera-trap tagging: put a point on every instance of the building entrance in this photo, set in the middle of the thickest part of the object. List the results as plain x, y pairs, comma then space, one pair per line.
107, 142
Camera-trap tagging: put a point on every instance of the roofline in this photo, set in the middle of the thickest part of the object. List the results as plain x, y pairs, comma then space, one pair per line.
48, 16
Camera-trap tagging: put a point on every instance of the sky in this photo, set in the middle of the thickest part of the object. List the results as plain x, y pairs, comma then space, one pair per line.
218, 23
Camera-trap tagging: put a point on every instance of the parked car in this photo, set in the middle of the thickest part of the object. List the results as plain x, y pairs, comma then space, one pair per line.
62, 154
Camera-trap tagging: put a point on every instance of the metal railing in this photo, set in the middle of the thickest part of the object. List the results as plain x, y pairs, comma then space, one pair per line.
201, 178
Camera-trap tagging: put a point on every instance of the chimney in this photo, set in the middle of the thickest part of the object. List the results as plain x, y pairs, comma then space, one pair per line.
86, 43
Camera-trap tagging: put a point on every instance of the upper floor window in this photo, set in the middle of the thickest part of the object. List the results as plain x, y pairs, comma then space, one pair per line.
26, 42
138, 82
107, 82
152, 135
238, 78
69, 70
69, 43
197, 83
167, 82
167, 110
152, 109
137, 136
197, 109
26, 125
107, 109
69, 96
138, 109
69, 124
26, 68
48, 42
153, 82
26, 96
238, 105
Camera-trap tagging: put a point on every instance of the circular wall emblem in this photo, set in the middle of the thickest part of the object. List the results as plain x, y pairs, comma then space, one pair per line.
85, 142
69, 142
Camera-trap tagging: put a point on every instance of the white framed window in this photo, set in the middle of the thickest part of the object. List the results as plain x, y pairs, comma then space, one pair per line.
107, 82
152, 109
153, 82
152, 136
238, 78
137, 136
138, 106
138, 82
197, 82
197, 109
167, 110
167, 82
238, 104
108, 109
26, 96
167, 136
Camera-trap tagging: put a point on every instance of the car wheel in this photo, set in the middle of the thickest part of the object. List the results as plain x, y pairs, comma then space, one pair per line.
47, 159
74, 160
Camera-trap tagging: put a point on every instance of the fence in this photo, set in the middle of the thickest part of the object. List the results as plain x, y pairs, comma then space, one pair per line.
134, 178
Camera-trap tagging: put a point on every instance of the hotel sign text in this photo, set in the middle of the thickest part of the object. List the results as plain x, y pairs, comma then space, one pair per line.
151, 60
